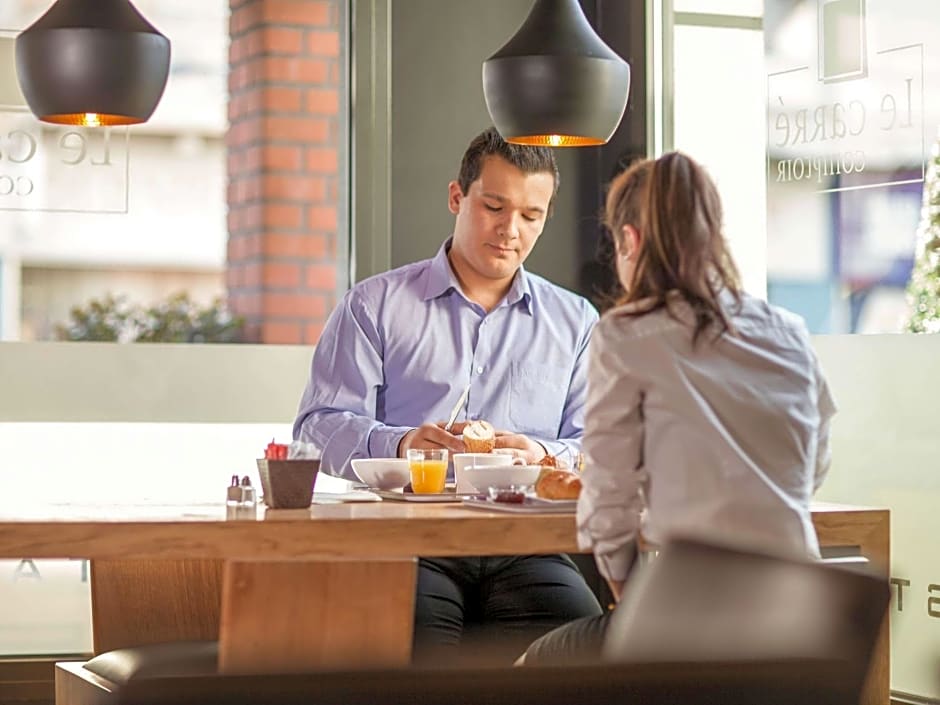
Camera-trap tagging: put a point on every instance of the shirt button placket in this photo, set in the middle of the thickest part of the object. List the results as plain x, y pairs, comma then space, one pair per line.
479, 368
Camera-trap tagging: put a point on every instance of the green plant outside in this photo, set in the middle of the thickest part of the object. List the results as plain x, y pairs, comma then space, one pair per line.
176, 320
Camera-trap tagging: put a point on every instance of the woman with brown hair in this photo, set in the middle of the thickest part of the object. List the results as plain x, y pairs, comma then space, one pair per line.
707, 413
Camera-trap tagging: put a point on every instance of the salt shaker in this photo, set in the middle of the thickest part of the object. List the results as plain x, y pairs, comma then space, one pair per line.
233, 498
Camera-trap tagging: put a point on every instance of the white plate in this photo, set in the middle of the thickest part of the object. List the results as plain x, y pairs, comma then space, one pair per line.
351, 496
529, 506
399, 496
532, 499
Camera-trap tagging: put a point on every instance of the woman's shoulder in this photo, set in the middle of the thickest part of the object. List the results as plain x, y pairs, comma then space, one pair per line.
755, 312
637, 319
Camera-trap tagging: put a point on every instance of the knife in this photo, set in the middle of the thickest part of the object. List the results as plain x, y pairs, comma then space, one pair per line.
457, 407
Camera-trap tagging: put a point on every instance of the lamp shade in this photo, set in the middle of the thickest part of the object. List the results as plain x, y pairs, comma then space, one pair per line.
92, 62
555, 82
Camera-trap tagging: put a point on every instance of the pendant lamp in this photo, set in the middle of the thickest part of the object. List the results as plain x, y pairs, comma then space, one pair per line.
555, 83
92, 62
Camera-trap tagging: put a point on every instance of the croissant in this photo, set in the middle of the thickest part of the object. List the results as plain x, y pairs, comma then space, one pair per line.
557, 484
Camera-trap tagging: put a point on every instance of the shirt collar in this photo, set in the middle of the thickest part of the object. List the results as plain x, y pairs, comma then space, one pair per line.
441, 280
520, 290
440, 277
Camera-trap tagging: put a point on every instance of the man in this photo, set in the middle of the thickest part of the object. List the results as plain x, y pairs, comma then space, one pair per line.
402, 346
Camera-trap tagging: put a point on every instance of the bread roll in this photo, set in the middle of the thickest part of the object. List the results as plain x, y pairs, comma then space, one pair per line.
479, 437
557, 484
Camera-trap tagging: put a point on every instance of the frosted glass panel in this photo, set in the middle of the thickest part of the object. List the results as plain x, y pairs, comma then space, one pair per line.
140, 462
45, 605
884, 450
45, 608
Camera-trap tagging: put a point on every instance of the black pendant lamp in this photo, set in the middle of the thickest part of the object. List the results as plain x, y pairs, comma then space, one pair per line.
555, 83
92, 62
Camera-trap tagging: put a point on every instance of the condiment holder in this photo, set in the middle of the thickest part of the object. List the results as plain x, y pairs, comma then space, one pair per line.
288, 484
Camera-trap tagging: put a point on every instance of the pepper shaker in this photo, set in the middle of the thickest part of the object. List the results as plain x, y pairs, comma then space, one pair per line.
249, 501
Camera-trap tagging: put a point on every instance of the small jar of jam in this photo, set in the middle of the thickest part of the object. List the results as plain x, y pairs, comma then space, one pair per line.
512, 494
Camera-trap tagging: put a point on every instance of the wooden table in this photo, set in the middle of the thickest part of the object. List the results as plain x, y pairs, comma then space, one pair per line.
299, 588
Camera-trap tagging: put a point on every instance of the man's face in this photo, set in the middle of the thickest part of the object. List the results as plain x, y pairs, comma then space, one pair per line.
500, 217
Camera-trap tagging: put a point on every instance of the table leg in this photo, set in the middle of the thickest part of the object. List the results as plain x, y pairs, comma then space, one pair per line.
283, 616
145, 602
871, 532
876, 546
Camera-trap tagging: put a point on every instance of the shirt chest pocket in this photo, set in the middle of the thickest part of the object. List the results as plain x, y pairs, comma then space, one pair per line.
537, 398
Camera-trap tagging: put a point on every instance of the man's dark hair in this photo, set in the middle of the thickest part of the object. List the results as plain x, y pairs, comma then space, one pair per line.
530, 160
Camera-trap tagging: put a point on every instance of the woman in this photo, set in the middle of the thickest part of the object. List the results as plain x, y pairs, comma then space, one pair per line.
707, 412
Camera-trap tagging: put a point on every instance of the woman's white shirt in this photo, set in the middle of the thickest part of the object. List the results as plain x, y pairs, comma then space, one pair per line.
724, 441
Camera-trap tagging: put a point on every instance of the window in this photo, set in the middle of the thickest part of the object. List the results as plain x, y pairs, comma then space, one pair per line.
710, 105
137, 213
85, 423
718, 120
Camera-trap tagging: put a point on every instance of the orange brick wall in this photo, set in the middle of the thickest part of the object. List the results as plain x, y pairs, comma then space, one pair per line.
284, 148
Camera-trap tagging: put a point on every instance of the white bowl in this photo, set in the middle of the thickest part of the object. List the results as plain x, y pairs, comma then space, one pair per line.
482, 478
383, 473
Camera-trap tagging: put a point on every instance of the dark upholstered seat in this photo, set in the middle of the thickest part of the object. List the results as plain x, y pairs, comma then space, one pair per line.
178, 658
611, 684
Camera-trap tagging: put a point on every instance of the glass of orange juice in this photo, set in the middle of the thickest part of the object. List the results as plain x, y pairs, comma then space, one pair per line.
428, 469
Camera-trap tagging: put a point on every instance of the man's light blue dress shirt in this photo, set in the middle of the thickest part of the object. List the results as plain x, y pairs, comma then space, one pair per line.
401, 347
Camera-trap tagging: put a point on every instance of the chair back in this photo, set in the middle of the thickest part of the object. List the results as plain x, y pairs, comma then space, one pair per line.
704, 603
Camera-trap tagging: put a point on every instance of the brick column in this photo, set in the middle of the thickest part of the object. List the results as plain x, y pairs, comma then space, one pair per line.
284, 145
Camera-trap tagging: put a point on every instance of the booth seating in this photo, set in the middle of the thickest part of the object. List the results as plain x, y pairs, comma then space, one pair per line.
699, 624
753, 683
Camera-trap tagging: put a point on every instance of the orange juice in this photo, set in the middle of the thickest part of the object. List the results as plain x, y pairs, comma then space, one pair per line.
428, 476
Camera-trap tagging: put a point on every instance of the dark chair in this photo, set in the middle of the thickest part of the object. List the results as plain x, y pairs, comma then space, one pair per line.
700, 603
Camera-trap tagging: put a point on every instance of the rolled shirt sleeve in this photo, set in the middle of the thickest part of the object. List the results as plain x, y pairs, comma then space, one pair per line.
337, 410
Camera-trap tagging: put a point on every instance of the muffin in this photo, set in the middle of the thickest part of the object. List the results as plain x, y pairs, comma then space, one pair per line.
479, 437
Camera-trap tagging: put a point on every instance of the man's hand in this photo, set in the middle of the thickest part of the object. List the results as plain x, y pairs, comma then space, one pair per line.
429, 435
522, 446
